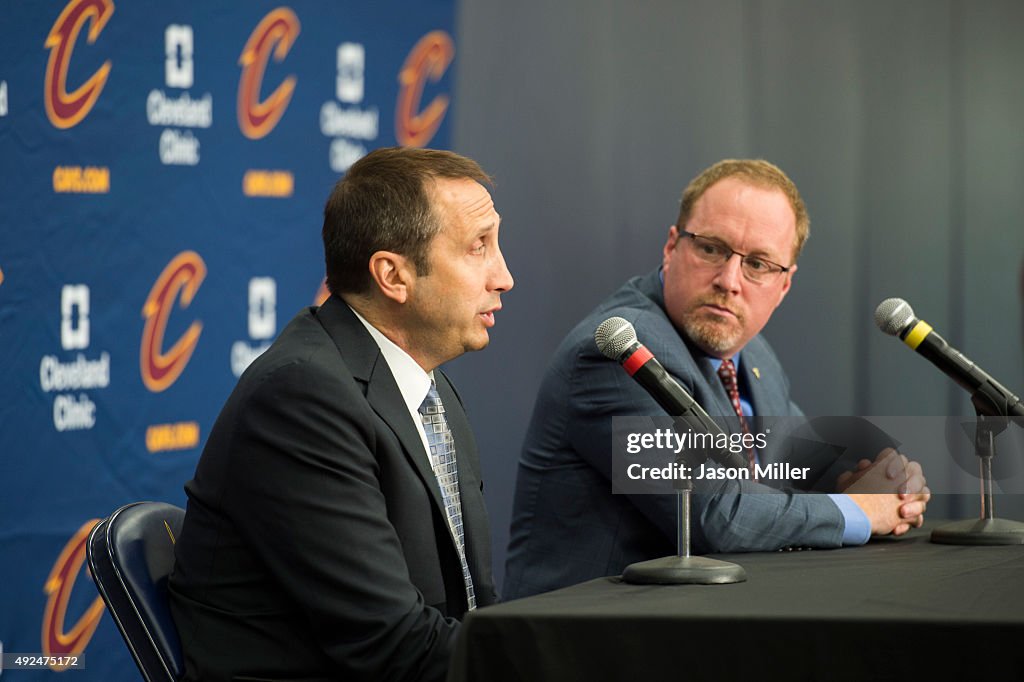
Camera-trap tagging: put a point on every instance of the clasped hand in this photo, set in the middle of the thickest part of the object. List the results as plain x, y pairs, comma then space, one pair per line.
891, 491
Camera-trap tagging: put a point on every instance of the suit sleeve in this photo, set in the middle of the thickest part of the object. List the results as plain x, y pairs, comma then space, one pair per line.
730, 516
306, 496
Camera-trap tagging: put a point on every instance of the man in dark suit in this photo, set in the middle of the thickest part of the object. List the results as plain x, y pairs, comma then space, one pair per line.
727, 264
336, 527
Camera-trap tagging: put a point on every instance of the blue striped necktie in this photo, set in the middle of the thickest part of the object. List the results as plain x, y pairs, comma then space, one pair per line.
442, 461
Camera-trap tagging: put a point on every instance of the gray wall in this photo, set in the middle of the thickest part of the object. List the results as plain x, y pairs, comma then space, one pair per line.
901, 122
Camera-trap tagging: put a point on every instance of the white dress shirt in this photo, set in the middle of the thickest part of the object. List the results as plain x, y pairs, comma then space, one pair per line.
413, 382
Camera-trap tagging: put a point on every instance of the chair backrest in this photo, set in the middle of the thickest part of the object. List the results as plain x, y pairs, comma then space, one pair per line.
131, 554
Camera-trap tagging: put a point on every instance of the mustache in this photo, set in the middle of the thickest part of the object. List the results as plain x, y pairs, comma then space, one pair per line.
719, 301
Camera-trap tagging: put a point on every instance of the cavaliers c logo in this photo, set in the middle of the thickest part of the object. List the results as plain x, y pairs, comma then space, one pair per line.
183, 275
66, 109
430, 58
276, 33
56, 640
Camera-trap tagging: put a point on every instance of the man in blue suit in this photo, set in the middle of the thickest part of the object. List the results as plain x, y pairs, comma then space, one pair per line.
727, 264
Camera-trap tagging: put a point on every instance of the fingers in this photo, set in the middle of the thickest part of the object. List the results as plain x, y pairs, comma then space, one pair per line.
890, 472
889, 465
912, 510
915, 484
847, 478
897, 465
885, 454
916, 487
912, 513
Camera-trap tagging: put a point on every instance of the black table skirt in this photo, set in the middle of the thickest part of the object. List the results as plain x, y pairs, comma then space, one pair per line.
894, 609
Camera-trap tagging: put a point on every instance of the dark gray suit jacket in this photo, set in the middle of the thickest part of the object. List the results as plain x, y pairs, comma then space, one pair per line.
315, 544
568, 527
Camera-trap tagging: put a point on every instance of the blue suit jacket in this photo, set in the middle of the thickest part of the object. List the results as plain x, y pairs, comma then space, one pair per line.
568, 527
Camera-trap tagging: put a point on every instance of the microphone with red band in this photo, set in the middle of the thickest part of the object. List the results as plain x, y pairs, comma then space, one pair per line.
616, 339
638, 358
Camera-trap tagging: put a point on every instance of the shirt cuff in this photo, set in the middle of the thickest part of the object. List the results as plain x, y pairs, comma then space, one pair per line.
857, 529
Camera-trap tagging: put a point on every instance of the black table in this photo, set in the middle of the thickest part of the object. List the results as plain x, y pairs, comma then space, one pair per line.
897, 608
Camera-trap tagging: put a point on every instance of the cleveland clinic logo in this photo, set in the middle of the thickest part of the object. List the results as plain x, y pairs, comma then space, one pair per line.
70, 378
262, 324
351, 125
179, 112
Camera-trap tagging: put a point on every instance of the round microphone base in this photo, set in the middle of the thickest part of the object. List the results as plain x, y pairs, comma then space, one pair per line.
980, 532
683, 570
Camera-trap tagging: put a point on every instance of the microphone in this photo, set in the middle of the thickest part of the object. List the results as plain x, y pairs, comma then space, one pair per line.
616, 339
895, 317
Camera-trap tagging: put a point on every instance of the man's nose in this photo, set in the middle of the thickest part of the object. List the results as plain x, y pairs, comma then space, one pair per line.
501, 279
730, 274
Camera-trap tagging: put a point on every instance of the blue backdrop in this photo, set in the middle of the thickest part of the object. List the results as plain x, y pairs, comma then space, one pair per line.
164, 170
900, 122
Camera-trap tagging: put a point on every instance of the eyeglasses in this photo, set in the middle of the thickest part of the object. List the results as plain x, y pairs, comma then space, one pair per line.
716, 252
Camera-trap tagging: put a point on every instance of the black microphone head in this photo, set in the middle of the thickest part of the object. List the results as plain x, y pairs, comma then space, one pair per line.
613, 336
893, 316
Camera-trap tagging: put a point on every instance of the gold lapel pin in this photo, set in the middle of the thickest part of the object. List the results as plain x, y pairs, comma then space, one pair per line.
757, 372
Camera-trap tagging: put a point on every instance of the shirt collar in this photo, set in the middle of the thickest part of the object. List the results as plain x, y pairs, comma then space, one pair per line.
413, 382
717, 362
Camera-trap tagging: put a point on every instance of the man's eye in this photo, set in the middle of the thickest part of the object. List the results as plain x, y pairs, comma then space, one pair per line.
757, 265
478, 248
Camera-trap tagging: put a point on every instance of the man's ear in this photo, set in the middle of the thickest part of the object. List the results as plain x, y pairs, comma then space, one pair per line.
392, 274
670, 244
786, 284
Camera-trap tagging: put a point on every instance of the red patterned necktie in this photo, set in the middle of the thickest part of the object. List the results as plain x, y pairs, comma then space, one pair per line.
727, 373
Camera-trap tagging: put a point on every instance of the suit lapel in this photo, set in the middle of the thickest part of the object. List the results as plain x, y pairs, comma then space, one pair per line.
763, 389
368, 367
386, 400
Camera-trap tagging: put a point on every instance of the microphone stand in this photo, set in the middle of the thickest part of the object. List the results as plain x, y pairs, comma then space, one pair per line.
987, 529
683, 568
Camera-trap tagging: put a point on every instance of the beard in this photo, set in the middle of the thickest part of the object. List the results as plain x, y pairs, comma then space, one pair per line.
713, 333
